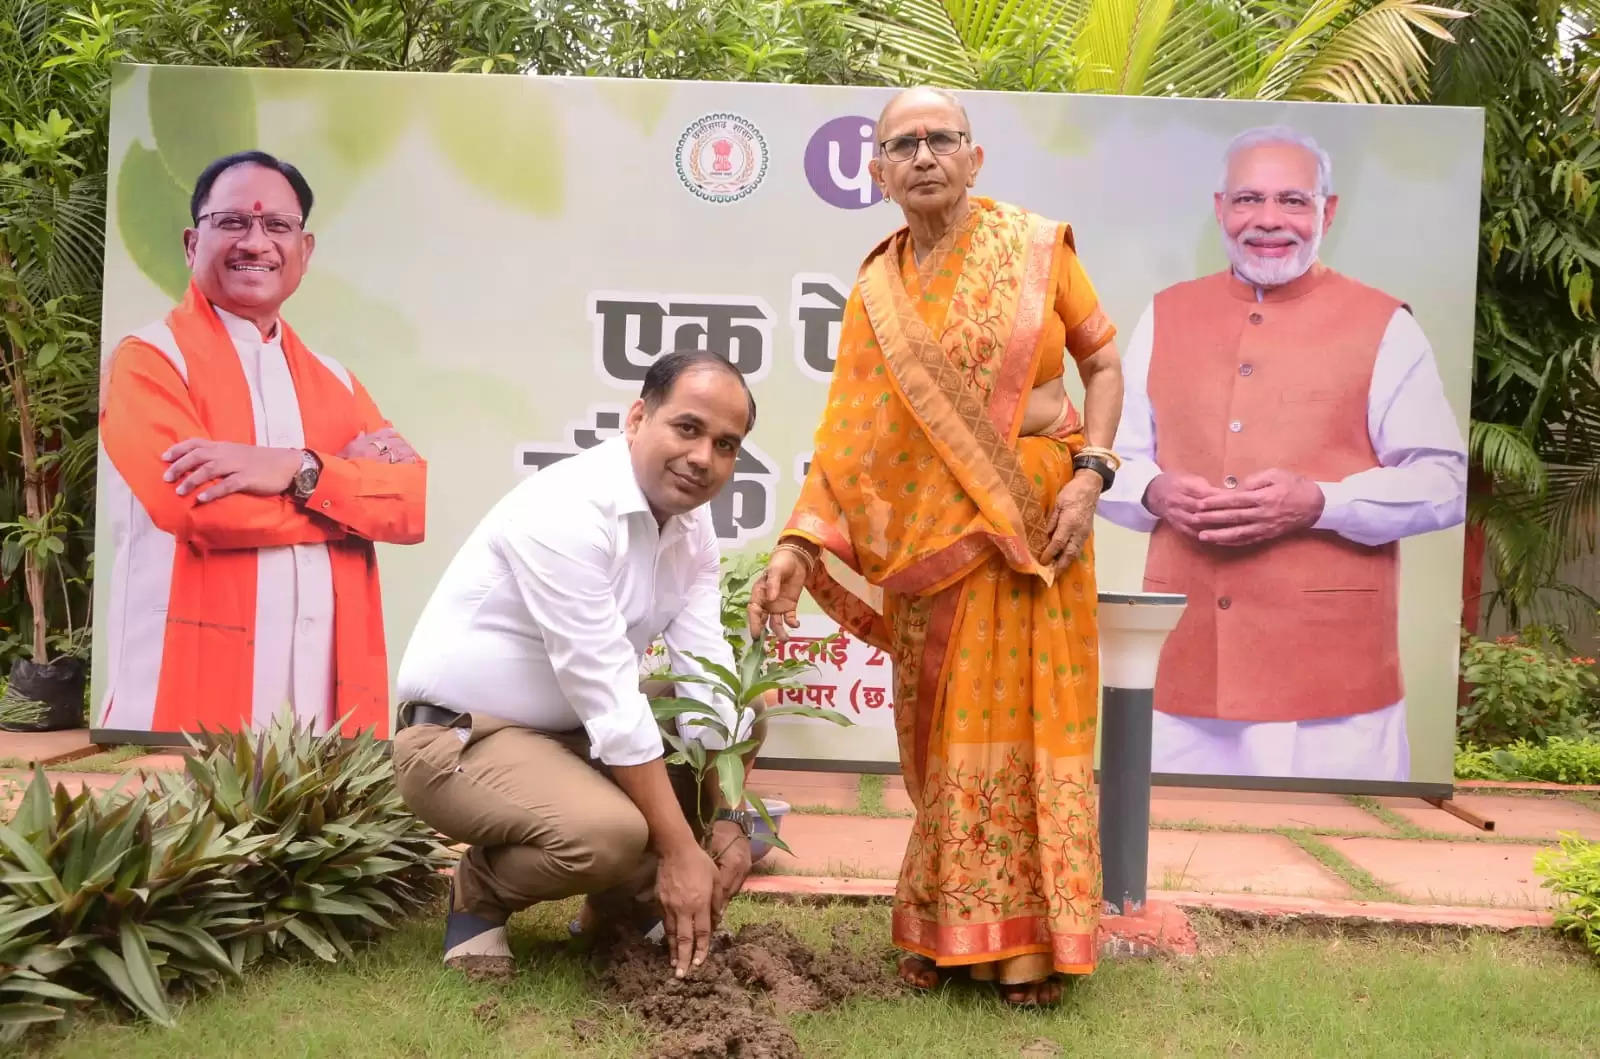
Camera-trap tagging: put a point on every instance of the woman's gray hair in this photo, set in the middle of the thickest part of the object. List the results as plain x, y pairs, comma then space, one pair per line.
1280, 134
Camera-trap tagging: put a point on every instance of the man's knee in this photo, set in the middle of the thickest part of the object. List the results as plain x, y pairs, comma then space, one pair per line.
607, 851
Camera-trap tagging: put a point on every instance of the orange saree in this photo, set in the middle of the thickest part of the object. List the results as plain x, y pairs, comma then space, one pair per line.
921, 487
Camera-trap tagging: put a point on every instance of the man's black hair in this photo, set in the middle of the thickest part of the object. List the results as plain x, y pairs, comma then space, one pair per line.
202, 186
665, 372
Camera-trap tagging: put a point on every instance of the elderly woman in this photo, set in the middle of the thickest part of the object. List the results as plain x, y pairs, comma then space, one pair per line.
952, 476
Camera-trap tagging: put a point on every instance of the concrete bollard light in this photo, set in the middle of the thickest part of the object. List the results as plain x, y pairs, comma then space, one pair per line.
1133, 626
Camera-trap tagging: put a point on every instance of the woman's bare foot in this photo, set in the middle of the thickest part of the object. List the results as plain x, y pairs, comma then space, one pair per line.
1039, 994
918, 972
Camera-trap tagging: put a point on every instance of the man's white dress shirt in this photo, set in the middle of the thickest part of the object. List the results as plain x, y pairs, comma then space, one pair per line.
544, 615
1419, 486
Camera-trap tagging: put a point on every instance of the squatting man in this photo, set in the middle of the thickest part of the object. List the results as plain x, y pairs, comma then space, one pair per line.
525, 732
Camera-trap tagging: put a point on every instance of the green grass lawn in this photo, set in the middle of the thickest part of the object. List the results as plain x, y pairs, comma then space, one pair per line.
1263, 992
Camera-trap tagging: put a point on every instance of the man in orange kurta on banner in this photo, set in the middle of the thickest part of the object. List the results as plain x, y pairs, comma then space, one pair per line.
245, 480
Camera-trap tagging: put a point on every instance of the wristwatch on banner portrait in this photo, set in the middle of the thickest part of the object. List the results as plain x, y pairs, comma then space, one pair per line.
304, 483
745, 818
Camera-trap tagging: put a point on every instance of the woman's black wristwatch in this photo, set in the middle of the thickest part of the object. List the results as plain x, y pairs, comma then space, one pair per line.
1084, 461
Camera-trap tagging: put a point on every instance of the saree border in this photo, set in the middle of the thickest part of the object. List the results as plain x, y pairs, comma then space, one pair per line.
959, 944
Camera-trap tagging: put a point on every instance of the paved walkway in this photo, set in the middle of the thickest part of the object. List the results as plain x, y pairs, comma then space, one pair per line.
1381, 858
1322, 851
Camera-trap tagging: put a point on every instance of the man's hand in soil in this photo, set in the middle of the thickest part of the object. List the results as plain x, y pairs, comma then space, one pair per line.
731, 849
685, 878
686, 881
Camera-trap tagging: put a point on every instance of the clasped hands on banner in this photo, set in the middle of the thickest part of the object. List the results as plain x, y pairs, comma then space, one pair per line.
1261, 507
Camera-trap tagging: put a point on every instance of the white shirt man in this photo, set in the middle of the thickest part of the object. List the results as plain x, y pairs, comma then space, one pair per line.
544, 615
526, 735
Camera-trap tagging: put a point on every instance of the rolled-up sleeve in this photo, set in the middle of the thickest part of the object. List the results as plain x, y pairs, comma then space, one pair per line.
561, 566
697, 630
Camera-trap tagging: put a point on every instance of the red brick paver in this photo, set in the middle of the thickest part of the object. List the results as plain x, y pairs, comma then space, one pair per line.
1450, 873
44, 747
1178, 805
1217, 861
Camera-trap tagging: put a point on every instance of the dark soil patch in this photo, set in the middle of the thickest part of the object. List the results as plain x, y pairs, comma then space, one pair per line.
734, 1004
486, 968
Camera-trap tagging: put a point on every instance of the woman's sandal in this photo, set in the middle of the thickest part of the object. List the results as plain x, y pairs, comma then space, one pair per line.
918, 972
1040, 994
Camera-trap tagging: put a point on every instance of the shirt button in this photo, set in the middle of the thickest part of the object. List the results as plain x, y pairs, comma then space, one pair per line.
1255, 318
1223, 603
1230, 481
1246, 369
1234, 426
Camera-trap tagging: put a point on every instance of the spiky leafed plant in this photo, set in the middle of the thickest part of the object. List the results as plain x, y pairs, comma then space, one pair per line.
336, 850
1368, 51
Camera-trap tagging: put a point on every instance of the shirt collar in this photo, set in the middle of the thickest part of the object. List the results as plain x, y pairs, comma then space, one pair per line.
242, 330
624, 487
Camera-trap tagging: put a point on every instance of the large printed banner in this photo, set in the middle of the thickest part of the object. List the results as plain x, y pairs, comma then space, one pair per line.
498, 261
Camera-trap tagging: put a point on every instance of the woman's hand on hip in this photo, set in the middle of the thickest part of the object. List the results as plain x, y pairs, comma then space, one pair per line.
1072, 519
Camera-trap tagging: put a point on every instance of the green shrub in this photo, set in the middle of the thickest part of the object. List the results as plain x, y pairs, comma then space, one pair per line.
337, 849
1559, 760
130, 891
1573, 874
269, 841
1524, 688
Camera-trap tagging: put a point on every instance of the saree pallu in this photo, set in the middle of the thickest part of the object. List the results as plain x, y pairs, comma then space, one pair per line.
920, 486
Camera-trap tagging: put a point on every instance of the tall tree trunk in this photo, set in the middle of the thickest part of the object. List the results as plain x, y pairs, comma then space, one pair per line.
14, 359
1478, 484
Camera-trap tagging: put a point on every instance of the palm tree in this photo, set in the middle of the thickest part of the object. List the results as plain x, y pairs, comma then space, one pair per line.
1535, 438
1368, 51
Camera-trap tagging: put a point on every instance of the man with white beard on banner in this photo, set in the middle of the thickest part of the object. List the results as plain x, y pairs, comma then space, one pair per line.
1283, 427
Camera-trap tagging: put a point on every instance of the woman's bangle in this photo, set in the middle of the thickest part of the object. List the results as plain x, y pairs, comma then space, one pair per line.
1104, 453
805, 556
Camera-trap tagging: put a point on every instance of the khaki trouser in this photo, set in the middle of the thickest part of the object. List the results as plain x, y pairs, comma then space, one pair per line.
542, 820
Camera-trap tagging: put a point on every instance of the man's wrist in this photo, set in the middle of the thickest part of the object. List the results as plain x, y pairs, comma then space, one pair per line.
306, 472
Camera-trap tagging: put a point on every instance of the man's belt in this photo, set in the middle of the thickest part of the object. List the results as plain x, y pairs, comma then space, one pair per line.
411, 713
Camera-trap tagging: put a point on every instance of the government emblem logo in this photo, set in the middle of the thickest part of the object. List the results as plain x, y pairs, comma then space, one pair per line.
722, 158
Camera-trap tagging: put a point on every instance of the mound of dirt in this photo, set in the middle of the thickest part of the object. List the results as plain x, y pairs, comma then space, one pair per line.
734, 1003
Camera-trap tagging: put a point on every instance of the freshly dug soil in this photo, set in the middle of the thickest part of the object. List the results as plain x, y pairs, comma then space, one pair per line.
734, 1003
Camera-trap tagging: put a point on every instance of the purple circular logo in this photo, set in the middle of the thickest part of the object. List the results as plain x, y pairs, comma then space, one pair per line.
836, 163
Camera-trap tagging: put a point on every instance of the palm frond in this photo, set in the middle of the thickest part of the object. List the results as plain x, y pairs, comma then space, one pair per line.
1505, 452
1116, 43
1375, 57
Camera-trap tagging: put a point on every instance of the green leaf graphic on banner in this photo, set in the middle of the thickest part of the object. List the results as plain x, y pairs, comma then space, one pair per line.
200, 115
335, 126
642, 102
152, 212
503, 138
363, 333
